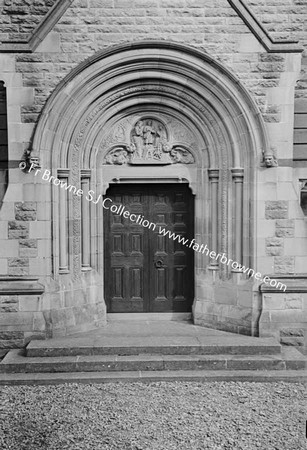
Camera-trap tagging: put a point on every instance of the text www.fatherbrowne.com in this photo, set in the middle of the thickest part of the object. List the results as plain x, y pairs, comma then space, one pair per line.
200, 248
107, 203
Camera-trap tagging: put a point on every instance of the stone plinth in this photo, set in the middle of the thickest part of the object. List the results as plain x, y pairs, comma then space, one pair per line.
284, 314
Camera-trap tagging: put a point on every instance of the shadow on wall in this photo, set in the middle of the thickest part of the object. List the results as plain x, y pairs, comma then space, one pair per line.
3, 184
3, 143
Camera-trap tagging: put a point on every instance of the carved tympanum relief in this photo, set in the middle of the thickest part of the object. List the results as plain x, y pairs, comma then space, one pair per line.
149, 142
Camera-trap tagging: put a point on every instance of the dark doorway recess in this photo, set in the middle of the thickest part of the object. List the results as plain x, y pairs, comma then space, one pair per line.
3, 143
146, 271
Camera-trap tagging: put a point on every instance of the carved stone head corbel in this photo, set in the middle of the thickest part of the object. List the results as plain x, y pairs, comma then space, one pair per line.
29, 160
269, 158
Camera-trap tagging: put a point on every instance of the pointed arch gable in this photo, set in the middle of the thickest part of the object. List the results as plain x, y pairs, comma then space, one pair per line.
202, 87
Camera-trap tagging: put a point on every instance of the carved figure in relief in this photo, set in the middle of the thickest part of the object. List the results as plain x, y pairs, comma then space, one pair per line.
146, 140
149, 144
137, 139
149, 133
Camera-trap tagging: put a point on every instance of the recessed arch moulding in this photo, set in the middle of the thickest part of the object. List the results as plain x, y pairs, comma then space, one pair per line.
210, 136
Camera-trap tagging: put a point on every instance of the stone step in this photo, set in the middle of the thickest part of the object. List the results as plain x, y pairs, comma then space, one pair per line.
164, 345
259, 376
17, 362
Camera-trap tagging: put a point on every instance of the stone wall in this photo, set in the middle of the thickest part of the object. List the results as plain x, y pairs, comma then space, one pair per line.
284, 19
284, 314
278, 211
19, 18
21, 317
229, 306
88, 26
213, 27
290, 21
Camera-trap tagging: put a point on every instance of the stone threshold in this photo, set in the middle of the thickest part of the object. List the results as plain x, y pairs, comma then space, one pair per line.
178, 317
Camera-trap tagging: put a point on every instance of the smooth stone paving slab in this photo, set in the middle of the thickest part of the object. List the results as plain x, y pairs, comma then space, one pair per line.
127, 338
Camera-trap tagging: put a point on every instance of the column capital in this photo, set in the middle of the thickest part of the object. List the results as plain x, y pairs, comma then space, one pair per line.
85, 173
63, 173
213, 174
237, 174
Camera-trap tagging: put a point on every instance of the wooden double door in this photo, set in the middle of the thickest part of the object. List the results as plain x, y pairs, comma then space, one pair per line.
146, 270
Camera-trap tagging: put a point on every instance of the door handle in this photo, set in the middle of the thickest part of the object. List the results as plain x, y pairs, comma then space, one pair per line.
159, 263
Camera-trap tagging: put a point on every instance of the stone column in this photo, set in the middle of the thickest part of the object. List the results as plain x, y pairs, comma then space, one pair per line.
238, 176
85, 221
63, 220
214, 181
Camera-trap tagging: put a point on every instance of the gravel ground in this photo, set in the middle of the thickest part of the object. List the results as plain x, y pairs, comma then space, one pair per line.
164, 416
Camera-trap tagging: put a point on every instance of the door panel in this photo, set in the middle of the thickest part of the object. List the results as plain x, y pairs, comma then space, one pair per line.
124, 255
144, 270
173, 209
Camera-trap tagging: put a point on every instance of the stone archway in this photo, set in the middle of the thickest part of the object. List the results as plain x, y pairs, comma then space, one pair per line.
210, 117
